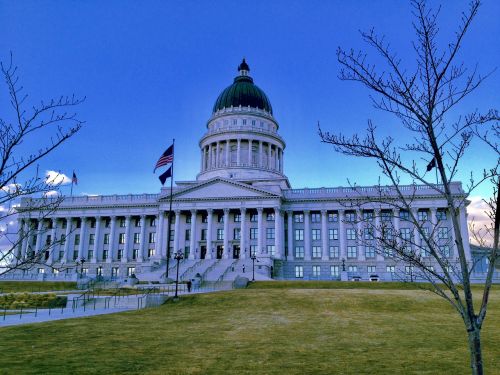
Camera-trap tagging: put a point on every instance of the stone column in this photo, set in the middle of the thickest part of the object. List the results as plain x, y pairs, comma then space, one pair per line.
159, 235
52, 249
377, 234
142, 239
282, 161
228, 147
226, 233
97, 235
289, 215
177, 232
260, 228
202, 166
38, 243
126, 246
243, 229
249, 152
416, 233
278, 233
67, 256
25, 241
111, 246
192, 239
307, 235
238, 152
324, 235
209, 233
83, 232
261, 153
210, 156
217, 155
269, 157
361, 247
342, 234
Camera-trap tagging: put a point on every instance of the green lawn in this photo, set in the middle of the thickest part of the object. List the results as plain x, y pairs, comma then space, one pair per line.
35, 286
260, 331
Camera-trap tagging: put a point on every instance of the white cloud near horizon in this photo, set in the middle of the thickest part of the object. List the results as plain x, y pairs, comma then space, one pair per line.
477, 214
56, 178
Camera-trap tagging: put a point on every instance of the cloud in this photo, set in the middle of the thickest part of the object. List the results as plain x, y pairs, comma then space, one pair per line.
477, 214
56, 178
51, 193
11, 188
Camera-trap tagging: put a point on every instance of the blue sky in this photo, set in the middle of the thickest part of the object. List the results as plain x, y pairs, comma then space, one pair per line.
151, 71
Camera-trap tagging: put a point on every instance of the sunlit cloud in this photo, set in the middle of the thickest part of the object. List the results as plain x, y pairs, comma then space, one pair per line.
51, 193
477, 216
56, 178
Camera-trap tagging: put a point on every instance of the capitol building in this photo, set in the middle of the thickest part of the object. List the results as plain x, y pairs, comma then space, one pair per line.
239, 211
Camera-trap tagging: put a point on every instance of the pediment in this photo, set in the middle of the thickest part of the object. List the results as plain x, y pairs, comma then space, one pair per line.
221, 189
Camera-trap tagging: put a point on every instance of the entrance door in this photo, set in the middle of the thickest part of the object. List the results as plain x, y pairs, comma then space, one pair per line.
203, 252
220, 251
236, 252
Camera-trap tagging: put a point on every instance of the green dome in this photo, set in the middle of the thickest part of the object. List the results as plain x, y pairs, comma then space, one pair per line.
243, 92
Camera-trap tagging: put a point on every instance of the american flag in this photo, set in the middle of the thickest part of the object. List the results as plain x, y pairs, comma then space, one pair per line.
165, 158
74, 179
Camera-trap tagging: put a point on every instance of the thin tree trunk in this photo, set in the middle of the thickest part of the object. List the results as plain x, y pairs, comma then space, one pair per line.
476, 357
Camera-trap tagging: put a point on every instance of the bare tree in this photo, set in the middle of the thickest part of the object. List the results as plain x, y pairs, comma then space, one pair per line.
422, 100
48, 124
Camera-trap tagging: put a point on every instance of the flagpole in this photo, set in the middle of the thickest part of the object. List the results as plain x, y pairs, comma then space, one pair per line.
72, 182
170, 207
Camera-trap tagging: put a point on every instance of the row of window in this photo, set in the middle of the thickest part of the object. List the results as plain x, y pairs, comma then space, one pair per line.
368, 234
352, 252
350, 216
335, 270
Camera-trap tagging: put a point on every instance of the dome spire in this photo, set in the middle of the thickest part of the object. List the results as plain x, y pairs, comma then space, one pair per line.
243, 68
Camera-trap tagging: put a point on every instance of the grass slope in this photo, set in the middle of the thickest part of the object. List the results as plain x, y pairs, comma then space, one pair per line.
35, 286
259, 331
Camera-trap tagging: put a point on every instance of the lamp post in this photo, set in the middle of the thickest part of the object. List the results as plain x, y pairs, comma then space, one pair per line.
82, 261
253, 257
178, 256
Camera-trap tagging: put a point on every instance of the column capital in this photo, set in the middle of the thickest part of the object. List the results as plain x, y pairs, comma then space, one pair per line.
127, 217
260, 209
112, 217
83, 217
306, 212
243, 210
210, 210
177, 212
226, 210
143, 216
324, 212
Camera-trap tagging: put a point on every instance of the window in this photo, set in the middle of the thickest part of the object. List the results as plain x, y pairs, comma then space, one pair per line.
315, 218
316, 251
75, 255
441, 215
104, 254
237, 218
121, 238
334, 271
350, 217
122, 223
78, 223
387, 233
204, 218
253, 218
220, 234
235, 121
64, 224
172, 234
63, 239
107, 222
333, 217
404, 215
371, 269
106, 239
298, 218
61, 255
426, 231
253, 122
152, 222
85, 270
352, 252
90, 254
270, 233
445, 250
299, 251
352, 269
388, 252
137, 238
422, 216
443, 233
115, 272
368, 233
270, 217
299, 272
98, 271
409, 270
220, 218
137, 222
237, 233
425, 251
367, 215
188, 219
253, 250
55, 271
386, 216
130, 271
270, 250
316, 271
299, 234
316, 234
370, 252
253, 233
351, 234
187, 234
244, 121
48, 240
135, 254
151, 253
203, 234
77, 239
120, 254
152, 237
333, 251
92, 223
333, 234
406, 234
390, 269
91, 238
